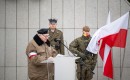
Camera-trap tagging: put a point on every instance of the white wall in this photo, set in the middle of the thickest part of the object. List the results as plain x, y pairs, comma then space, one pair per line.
20, 19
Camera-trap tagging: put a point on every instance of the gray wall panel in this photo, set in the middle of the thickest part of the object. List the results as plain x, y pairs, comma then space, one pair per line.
77, 33
22, 41
116, 74
124, 7
100, 62
10, 13
32, 32
100, 74
2, 13
92, 31
116, 56
80, 13
22, 13
57, 9
125, 57
22, 73
2, 47
10, 47
10, 73
114, 6
68, 13
91, 13
34, 14
103, 9
45, 13
68, 37
2, 73
126, 73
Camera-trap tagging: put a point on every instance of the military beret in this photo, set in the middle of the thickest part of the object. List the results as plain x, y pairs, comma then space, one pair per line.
52, 21
43, 31
86, 28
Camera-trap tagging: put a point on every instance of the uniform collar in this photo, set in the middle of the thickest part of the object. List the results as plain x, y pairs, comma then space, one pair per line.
84, 37
39, 41
54, 30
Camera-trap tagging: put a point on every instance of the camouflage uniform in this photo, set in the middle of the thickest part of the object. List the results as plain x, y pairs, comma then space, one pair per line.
57, 45
85, 66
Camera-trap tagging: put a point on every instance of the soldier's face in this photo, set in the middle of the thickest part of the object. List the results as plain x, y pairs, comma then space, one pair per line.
85, 33
52, 26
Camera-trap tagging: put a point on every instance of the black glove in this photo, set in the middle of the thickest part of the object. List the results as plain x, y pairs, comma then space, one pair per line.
87, 52
88, 55
83, 56
57, 47
95, 58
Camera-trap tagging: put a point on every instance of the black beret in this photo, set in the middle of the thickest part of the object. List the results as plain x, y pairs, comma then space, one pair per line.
43, 31
53, 21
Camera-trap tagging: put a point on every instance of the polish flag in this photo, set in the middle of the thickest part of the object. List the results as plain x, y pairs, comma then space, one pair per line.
102, 44
111, 35
107, 68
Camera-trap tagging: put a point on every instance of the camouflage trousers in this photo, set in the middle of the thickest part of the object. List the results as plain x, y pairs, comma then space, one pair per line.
85, 71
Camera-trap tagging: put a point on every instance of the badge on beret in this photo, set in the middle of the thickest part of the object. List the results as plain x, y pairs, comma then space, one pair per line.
52, 21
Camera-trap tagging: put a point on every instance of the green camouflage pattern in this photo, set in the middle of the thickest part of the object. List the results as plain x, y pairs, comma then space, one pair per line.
85, 66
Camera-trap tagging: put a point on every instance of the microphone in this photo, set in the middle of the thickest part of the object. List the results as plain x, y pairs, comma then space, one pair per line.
60, 42
56, 39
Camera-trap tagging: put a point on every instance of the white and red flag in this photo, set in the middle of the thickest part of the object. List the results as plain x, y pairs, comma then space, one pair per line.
111, 35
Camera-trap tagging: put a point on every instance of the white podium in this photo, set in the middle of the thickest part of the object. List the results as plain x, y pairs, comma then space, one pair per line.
65, 68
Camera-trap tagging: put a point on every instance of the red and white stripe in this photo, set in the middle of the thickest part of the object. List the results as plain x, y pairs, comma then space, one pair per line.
31, 54
106, 53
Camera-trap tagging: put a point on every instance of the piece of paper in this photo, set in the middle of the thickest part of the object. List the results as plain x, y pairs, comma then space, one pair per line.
59, 55
49, 60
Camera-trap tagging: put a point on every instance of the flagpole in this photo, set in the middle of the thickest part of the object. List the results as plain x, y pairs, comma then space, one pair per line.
122, 64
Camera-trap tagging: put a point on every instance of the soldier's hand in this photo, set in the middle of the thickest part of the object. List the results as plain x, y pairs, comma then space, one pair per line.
57, 47
83, 56
94, 59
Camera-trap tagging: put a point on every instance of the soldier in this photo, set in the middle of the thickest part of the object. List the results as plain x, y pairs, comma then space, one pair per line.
87, 61
38, 50
56, 36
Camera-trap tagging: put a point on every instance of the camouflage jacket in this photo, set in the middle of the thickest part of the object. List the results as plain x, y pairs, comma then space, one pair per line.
79, 45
